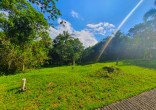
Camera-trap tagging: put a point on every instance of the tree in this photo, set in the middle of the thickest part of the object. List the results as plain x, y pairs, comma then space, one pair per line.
143, 36
140, 43
151, 14
47, 7
24, 38
66, 49
117, 49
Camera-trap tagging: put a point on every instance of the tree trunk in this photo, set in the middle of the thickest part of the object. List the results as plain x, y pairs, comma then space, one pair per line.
9, 65
23, 67
117, 60
73, 61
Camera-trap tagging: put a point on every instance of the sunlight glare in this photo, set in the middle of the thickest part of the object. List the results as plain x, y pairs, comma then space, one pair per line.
119, 27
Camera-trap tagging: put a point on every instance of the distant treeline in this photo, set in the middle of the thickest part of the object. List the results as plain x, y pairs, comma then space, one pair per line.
139, 43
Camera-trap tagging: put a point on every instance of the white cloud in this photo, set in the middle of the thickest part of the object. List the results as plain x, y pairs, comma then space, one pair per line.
54, 32
60, 28
87, 38
94, 25
102, 28
74, 14
87, 35
65, 27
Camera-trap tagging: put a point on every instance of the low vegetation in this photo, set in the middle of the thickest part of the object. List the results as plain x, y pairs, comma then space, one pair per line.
75, 87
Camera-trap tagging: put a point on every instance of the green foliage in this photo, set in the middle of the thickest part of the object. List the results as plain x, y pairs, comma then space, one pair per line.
14, 57
139, 43
66, 88
24, 23
143, 37
66, 49
48, 7
151, 14
24, 38
142, 63
115, 50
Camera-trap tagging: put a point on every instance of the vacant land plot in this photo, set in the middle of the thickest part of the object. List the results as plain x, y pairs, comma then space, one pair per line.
79, 87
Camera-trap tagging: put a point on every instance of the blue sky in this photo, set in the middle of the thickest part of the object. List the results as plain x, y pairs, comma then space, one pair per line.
83, 16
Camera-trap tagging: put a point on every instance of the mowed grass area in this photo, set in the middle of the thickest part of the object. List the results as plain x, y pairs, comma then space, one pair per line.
74, 88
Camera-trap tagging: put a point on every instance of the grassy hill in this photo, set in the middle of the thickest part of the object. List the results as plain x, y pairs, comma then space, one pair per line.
79, 87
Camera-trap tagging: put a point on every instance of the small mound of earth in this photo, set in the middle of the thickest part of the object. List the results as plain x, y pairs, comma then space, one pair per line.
107, 72
110, 69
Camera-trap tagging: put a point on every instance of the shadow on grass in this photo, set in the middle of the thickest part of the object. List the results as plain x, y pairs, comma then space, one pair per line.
90, 63
142, 63
16, 90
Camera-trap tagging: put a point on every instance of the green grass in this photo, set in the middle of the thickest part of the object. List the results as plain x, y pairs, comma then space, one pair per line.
67, 88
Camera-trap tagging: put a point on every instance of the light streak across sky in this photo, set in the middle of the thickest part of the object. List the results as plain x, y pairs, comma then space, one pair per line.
118, 28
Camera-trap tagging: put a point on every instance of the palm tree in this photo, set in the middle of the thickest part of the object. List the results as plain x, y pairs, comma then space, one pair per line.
151, 14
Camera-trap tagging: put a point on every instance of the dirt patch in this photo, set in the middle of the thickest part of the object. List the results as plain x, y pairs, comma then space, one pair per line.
107, 72
111, 69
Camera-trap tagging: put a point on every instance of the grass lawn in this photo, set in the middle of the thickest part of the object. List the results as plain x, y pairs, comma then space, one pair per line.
67, 88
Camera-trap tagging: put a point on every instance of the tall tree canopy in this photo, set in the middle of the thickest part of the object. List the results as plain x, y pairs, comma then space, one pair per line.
116, 49
144, 40
151, 14
24, 38
46, 6
66, 49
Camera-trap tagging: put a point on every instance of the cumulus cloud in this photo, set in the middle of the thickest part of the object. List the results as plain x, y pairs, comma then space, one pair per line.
60, 28
102, 28
87, 35
87, 38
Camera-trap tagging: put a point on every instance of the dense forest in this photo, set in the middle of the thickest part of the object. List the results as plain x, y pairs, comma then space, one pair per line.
25, 42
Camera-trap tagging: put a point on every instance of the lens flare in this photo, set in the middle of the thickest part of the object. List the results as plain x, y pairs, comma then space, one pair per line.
119, 27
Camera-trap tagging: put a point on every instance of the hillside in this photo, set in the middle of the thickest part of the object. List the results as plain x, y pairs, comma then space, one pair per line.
76, 87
